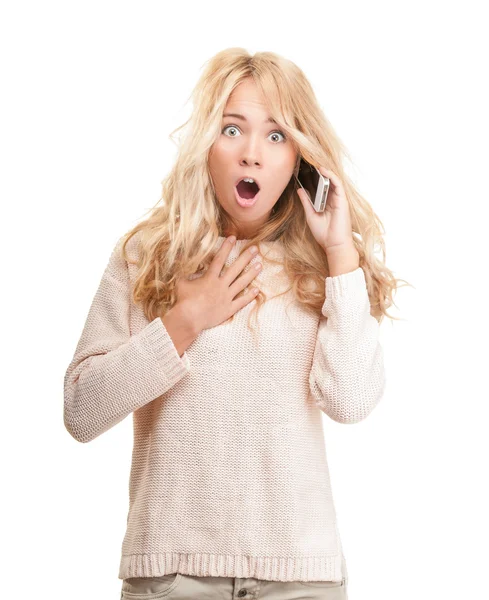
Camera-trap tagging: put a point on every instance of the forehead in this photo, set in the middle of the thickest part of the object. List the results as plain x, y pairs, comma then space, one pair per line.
247, 94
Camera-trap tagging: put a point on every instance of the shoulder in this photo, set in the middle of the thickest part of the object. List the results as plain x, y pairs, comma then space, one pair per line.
121, 256
131, 248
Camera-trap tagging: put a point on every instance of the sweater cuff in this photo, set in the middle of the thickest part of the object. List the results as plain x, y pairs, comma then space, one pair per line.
346, 284
165, 351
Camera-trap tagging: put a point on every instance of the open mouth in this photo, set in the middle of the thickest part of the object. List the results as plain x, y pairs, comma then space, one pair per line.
247, 190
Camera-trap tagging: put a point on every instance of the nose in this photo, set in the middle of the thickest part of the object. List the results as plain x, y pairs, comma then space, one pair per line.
250, 154
249, 160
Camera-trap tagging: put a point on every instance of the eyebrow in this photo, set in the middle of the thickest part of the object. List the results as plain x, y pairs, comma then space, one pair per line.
243, 118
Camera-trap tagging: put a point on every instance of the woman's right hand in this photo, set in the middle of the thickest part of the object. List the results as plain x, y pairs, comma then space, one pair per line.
210, 298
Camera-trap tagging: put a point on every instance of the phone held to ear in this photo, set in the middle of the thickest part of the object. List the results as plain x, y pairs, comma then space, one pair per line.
315, 185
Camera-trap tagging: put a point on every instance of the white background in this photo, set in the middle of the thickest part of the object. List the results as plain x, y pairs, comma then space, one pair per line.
90, 93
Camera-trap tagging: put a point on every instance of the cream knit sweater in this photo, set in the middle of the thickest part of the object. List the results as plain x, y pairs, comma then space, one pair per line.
229, 473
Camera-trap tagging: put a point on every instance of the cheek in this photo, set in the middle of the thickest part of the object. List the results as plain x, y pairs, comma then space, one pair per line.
283, 166
285, 160
216, 161
222, 154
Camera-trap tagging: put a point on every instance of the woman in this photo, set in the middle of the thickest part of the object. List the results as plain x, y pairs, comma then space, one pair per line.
230, 492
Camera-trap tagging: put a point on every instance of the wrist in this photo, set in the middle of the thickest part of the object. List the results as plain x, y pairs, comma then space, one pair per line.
188, 316
180, 327
342, 259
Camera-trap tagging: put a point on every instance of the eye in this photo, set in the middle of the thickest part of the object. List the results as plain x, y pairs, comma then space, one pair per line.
232, 127
237, 129
279, 133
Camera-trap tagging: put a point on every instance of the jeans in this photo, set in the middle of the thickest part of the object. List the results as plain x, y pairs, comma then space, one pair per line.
178, 586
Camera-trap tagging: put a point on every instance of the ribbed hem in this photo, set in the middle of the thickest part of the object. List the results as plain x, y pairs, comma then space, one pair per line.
162, 346
312, 568
346, 284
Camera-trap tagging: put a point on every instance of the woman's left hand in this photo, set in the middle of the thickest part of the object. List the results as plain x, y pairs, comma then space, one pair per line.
332, 228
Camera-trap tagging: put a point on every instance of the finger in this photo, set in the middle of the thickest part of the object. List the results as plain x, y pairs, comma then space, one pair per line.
245, 279
239, 265
304, 196
245, 299
219, 260
330, 175
326, 172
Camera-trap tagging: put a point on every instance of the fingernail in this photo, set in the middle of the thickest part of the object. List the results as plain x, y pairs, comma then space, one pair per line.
232, 239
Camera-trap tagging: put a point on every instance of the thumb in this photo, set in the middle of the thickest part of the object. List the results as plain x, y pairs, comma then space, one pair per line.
305, 200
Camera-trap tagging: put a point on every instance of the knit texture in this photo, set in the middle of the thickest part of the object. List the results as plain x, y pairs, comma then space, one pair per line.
229, 474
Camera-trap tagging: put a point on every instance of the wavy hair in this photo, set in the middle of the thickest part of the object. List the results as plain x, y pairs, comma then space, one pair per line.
179, 236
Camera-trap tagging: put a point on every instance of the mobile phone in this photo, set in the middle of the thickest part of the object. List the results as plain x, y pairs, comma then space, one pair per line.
315, 185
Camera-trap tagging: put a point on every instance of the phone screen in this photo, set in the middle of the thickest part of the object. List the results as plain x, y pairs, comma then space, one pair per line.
309, 178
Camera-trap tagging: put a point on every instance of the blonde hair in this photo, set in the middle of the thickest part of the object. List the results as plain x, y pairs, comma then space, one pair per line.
178, 237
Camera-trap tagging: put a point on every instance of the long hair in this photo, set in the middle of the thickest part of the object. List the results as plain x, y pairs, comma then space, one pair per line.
179, 237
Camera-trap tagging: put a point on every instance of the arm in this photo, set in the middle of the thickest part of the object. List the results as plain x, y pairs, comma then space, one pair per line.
347, 377
113, 373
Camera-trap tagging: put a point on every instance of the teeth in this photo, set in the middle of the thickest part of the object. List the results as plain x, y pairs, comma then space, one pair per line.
249, 179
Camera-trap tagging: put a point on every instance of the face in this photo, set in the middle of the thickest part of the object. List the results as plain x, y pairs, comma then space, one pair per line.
250, 145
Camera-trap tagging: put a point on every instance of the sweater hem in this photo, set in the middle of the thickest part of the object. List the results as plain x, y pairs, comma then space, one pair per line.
330, 567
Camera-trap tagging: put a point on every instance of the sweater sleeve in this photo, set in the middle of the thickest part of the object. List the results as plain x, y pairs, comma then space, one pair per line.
113, 373
347, 378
